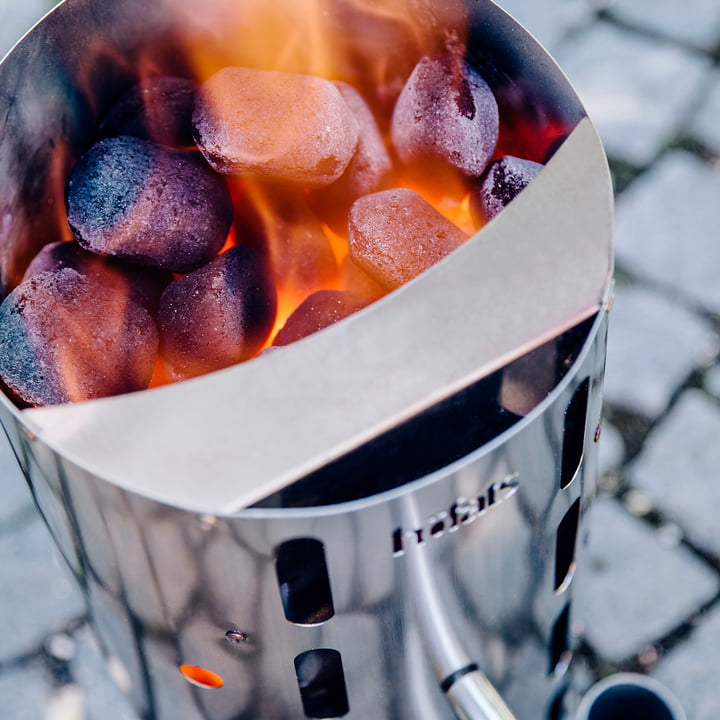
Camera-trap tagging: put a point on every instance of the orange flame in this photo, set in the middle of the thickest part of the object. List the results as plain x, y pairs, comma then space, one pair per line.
372, 45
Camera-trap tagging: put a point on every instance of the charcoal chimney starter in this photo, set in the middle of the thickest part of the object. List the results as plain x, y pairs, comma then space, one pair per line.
382, 520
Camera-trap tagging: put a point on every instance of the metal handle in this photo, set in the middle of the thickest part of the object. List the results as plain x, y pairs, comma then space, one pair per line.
474, 697
471, 694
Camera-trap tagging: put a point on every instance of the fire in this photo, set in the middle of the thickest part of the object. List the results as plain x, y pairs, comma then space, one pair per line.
370, 45
365, 53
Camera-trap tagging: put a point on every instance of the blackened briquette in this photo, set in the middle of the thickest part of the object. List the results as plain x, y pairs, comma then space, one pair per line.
218, 315
367, 171
66, 337
134, 200
395, 235
318, 311
446, 112
157, 109
143, 285
275, 126
504, 181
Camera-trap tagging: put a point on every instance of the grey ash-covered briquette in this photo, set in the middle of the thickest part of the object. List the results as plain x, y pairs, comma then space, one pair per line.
277, 126
320, 310
504, 181
157, 109
66, 337
140, 284
218, 315
395, 235
138, 201
446, 112
368, 170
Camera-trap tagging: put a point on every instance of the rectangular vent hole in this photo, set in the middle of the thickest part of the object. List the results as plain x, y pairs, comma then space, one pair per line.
574, 433
565, 545
322, 684
304, 583
560, 643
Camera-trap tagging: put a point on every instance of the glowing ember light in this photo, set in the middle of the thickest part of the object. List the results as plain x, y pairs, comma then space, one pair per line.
292, 137
201, 676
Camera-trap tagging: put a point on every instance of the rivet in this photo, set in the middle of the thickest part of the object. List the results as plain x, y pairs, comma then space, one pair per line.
236, 636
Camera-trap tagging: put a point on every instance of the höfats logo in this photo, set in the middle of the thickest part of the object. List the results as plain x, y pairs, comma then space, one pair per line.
462, 512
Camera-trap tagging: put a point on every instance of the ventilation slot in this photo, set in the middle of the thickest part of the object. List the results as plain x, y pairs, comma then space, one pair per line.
574, 434
560, 643
565, 544
322, 684
304, 583
557, 706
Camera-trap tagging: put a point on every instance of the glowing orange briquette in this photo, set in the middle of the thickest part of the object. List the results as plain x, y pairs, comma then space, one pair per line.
395, 235
279, 126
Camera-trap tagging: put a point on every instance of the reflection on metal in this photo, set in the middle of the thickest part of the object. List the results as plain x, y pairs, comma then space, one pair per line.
202, 677
165, 587
468, 689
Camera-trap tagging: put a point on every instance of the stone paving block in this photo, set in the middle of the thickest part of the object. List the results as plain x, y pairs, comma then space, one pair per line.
694, 22
653, 346
549, 21
705, 126
637, 90
691, 669
37, 594
632, 588
666, 229
24, 692
15, 498
91, 674
678, 468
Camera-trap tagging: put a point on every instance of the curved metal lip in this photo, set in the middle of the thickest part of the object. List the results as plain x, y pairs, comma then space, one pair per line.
420, 484
30, 30
230, 438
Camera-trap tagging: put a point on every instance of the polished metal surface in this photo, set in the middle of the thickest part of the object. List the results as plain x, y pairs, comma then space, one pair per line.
471, 582
446, 600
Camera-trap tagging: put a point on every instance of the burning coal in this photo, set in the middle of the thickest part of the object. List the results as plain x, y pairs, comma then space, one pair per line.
250, 207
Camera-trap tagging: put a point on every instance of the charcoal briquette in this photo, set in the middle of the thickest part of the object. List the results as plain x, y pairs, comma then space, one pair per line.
157, 109
446, 112
140, 284
395, 235
277, 126
367, 171
505, 179
218, 315
138, 201
65, 337
320, 310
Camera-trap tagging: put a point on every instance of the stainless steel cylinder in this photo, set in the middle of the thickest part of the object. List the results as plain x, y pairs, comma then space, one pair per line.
382, 521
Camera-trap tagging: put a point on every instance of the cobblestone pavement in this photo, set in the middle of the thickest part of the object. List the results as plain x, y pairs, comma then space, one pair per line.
649, 73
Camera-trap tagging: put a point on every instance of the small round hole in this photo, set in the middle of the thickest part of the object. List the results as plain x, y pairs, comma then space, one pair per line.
201, 677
